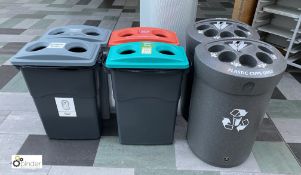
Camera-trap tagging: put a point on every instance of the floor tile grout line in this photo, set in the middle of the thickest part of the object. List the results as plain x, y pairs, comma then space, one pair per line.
287, 145
296, 158
279, 133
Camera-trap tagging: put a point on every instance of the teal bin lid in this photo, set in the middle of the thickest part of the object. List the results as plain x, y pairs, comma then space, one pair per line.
147, 55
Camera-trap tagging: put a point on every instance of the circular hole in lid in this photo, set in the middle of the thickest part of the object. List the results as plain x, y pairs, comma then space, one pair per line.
77, 49
126, 34
166, 52
265, 58
243, 28
247, 60
211, 33
241, 33
265, 49
92, 33
160, 35
37, 48
216, 48
226, 34
126, 52
57, 32
227, 56
202, 27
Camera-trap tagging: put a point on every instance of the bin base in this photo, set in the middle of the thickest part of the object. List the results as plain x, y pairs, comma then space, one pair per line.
222, 159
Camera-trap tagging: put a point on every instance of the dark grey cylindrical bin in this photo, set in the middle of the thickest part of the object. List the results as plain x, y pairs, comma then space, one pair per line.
146, 86
91, 34
61, 75
233, 82
202, 32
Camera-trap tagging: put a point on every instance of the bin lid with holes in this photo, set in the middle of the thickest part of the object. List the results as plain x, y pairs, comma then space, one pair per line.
147, 55
240, 58
217, 28
82, 32
57, 52
138, 34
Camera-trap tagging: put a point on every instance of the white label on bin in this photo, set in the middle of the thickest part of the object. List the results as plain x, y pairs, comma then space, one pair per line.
65, 107
56, 45
146, 48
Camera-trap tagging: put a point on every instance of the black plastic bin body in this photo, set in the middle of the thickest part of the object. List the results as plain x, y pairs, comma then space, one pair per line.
146, 109
146, 80
205, 31
68, 82
232, 86
96, 35
61, 75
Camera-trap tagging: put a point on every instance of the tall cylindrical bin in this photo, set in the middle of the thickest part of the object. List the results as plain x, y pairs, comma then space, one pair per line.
174, 15
205, 31
233, 82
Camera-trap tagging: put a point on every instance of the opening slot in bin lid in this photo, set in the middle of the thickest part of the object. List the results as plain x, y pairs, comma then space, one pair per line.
57, 52
219, 28
240, 57
147, 55
82, 32
139, 34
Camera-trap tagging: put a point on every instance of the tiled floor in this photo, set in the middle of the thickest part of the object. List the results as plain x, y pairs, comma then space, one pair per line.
276, 151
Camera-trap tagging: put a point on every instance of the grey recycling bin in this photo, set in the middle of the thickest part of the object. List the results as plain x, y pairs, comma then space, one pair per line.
61, 75
146, 81
91, 34
233, 82
202, 32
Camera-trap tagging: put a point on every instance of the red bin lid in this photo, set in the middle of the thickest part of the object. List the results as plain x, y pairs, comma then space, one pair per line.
137, 34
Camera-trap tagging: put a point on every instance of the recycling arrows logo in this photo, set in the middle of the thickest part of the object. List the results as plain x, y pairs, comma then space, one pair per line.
220, 25
236, 120
237, 45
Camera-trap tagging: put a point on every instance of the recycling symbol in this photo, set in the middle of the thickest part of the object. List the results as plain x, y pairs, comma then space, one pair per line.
238, 45
221, 25
237, 120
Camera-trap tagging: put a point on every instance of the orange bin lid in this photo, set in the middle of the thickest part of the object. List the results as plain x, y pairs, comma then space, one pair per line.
136, 34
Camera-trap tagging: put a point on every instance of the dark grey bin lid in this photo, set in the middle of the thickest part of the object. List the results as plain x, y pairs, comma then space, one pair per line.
239, 66
82, 32
241, 58
57, 52
216, 28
